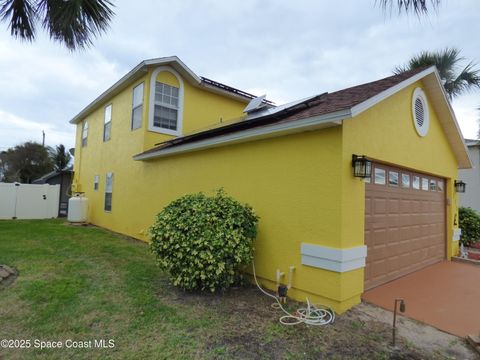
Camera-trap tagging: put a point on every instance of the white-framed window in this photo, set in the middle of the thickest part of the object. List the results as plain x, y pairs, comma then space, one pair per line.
96, 181
416, 182
393, 178
433, 185
108, 191
425, 184
405, 180
137, 106
379, 176
84, 133
165, 107
107, 123
165, 115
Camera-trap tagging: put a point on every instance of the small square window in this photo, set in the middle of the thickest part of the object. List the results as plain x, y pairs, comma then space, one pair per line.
108, 192
405, 180
379, 176
416, 182
440, 185
393, 178
433, 185
96, 180
425, 184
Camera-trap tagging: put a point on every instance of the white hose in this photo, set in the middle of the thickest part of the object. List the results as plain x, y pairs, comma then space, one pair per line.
311, 315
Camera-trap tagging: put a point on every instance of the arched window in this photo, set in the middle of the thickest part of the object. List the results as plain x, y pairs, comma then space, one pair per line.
166, 104
84, 133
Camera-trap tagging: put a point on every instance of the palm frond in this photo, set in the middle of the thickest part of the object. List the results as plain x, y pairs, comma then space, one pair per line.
75, 22
21, 16
418, 7
465, 81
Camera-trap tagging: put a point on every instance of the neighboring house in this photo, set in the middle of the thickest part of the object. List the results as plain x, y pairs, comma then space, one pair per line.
64, 179
161, 132
471, 197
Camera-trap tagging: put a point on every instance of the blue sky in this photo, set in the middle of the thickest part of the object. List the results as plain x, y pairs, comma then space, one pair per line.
288, 50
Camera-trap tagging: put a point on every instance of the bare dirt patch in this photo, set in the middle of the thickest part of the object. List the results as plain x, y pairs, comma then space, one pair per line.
249, 328
7, 275
418, 334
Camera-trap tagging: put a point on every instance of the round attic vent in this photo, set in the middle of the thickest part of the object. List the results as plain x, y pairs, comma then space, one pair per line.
420, 112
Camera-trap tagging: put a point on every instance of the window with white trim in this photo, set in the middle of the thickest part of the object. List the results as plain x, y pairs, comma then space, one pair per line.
84, 133
166, 107
96, 181
137, 106
107, 123
108, 191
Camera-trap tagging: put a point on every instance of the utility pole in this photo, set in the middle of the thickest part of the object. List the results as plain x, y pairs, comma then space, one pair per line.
43, 141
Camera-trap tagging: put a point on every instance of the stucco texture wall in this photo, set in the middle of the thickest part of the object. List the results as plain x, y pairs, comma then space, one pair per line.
386, 133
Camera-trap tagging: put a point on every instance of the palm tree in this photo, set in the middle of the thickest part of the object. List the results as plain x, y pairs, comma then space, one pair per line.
60, 157
72, 22
418, 7
456, 78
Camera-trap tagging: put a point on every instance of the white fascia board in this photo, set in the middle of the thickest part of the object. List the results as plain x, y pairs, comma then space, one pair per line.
308, 124
140, 68
333, 259
456, 133
455, 122
367, 104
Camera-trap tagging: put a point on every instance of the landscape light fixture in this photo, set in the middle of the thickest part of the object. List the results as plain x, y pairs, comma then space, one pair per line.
362, 166
460, 186
402, 310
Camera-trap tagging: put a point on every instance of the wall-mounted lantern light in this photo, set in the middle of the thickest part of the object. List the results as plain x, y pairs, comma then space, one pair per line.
362, 167
460, 186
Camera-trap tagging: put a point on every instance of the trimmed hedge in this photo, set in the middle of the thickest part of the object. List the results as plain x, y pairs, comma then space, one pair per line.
202, 241
470, 225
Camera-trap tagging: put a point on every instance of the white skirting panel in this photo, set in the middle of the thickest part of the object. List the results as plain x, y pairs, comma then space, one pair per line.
333, 259
456, 234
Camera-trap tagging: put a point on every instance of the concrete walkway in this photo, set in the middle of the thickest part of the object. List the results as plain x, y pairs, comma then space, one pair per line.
445, 295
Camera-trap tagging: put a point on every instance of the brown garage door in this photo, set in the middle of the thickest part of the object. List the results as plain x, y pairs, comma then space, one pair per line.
404, 223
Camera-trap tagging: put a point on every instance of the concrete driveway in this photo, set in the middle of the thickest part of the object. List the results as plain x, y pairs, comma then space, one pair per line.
445, 295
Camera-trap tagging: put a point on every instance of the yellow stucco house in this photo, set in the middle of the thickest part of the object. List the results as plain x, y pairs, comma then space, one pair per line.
162, 131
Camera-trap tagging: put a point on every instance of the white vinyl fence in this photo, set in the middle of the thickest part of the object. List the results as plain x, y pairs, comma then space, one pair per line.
29, 201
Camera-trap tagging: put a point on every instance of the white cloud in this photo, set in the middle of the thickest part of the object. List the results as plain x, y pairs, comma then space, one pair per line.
288, 50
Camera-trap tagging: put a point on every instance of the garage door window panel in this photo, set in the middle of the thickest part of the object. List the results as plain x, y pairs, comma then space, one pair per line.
416, 183
405, 180
393, 178
425, 184
380, 176
440, 185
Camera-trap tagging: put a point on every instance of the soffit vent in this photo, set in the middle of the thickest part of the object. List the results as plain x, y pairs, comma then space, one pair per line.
420, 112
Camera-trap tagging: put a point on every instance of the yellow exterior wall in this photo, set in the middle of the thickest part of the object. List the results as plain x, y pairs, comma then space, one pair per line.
300, 185
387, 133
202, 109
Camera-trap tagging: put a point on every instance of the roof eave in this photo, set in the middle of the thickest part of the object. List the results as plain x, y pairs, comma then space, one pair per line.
139, 71
453, 132
257, 133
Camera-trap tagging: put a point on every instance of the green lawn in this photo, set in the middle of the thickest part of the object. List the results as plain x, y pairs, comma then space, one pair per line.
84, 283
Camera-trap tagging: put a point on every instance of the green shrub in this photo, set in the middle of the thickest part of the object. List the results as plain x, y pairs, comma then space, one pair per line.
470, 225
202, 241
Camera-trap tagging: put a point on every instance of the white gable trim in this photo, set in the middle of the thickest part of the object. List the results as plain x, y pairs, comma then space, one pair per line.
442, 105
367, 104
140, 70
